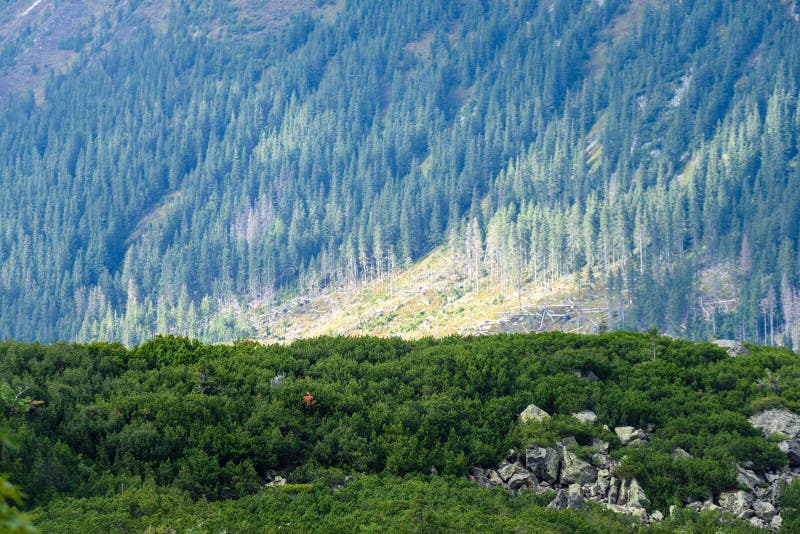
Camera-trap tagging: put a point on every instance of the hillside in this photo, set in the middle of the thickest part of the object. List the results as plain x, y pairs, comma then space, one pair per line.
42, 38
342, 434
186, 164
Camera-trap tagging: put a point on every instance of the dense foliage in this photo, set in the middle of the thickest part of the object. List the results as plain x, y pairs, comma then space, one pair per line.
190, 421
369, 504
173, 174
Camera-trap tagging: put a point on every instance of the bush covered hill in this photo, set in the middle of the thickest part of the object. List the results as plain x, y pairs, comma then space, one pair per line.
204, 158
177, 434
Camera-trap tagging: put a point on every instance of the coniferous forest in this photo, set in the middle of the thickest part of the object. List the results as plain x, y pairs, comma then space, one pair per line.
170, 177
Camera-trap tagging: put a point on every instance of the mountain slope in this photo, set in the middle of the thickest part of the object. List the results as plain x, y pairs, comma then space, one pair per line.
185, 172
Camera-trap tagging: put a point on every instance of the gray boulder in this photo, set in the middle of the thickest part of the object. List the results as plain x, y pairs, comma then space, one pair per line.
277, 380
603, 461
747, 477
599, 489
543, 462
586, 375
613, 490
639, 513
533, 413
680, 453
559, 502
764, 510
587, 416
521, 480
517, 473
277, 481
575, 498
628, 433
710, 506
567, 499
736, 502
657, 516
478, 475
733, 348
576, 471
777, 421
792, 449
493, 479
631, 494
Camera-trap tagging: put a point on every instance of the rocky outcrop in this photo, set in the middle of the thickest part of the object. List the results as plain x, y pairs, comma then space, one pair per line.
533, 413
575, 478
588, 474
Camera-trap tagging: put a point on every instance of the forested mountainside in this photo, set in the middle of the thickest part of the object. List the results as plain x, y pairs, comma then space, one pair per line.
177, 172
343, 434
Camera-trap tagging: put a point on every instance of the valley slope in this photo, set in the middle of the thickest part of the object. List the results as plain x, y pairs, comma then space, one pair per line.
193, 168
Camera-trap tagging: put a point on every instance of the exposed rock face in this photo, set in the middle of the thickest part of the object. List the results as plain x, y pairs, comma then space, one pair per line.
586, 416
777, 421
543, 462
533, 413
733, 348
